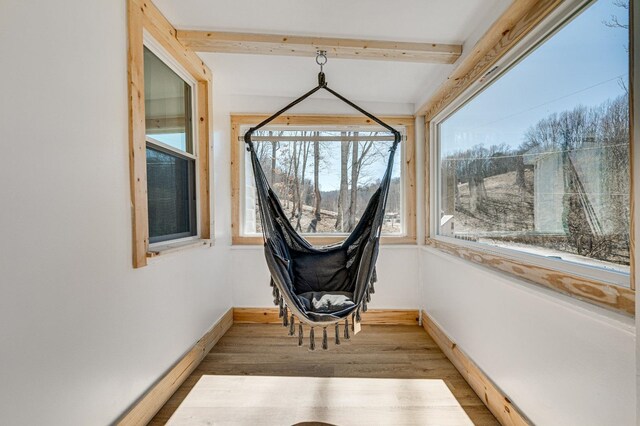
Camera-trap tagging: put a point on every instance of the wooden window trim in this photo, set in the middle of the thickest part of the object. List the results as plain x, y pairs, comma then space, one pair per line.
143, 16
516, 23
239, 120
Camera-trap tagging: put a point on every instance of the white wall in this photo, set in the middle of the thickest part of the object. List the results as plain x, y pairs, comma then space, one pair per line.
561, 361
397, 268
82, 334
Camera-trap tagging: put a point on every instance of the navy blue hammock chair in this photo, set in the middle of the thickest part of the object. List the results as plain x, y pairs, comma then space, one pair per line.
321, 287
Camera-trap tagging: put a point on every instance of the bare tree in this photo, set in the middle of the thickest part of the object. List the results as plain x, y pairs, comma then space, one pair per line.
357, 162
353, 202
476, 173
295, 185
300, 192
317, 196
520, 181
344, 185
614, 21
316, 179
274, 154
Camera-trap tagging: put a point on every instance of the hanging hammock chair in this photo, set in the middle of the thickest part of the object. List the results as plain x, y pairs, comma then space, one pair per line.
320, 286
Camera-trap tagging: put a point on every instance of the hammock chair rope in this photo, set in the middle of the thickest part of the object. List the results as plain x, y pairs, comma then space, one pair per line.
341, 275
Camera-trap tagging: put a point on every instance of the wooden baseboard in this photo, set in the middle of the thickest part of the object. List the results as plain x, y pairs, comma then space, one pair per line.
151, 402
372, 316
496, 401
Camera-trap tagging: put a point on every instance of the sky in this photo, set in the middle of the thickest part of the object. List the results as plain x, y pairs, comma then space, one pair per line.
579, 65
330, 176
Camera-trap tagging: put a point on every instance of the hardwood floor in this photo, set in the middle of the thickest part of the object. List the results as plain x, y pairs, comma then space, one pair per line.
379, 351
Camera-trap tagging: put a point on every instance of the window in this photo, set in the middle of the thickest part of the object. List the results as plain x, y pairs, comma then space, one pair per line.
536, 165
324, 179
171, 163
324, 176
169, 138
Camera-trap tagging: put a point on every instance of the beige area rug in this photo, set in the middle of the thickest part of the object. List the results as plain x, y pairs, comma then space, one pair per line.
268, 400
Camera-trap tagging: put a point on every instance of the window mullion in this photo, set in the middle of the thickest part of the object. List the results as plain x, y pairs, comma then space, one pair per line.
167, 147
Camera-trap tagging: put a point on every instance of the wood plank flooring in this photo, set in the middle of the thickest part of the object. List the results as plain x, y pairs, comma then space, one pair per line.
379, 351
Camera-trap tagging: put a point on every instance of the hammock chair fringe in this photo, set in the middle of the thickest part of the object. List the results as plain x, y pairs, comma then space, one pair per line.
300, 334
325, 341
346, 329
292, 325
312, 340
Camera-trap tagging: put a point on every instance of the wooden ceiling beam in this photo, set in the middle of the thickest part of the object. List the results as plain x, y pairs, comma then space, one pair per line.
289, 45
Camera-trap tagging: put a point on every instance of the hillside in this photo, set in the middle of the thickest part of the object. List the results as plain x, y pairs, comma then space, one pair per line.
506, 208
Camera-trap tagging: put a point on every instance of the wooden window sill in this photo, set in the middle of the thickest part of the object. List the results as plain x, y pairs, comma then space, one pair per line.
320, 241
614, 297
177, 246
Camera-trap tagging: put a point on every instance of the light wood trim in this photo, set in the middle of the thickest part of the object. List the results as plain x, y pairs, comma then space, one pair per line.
496, 401
606, 295
137, 142
240, 240
371, 317
321, 120
239, 120
427, 180
204, 148
162, 30
292, 45
151, 402
516, 22
177, 246
236, 122
410, 189
145, 16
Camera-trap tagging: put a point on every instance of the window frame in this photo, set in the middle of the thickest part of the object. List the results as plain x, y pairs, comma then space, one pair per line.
609, 289
190, 145
147, 27
238, 121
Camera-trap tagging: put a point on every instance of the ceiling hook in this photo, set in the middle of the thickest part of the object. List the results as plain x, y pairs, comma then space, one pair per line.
321, 58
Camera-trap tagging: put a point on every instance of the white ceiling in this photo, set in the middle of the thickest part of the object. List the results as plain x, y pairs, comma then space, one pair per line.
450, 21
380, 81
